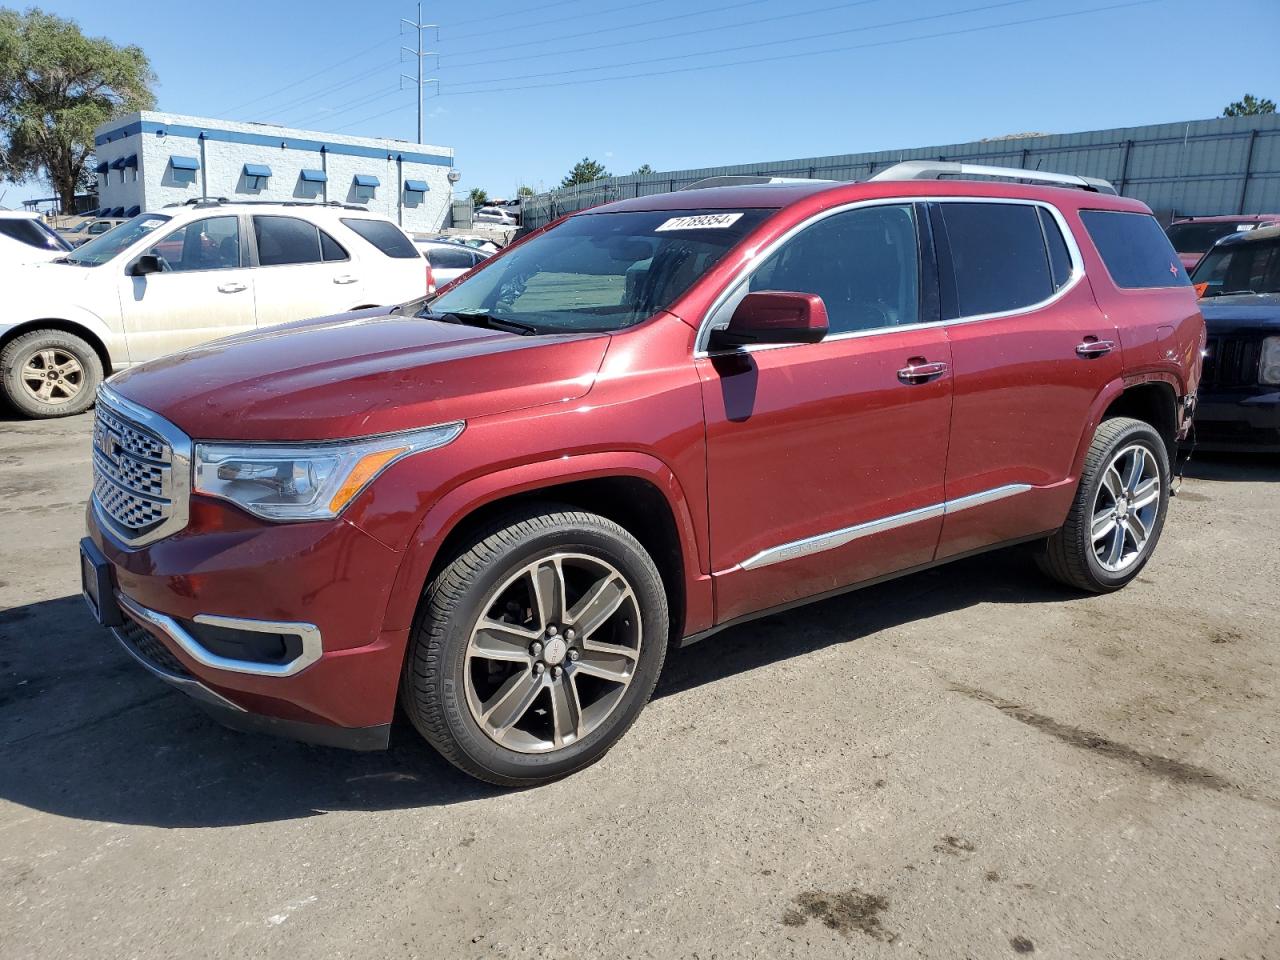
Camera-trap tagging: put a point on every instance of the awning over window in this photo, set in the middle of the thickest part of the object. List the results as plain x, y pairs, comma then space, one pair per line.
116, 212
133, 211
103, 167
184, 163
121, 162
367, 180
257, 170
416, 186
314, 176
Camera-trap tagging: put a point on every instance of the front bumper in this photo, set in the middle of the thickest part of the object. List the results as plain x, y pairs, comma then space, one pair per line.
1243, 419
322, 586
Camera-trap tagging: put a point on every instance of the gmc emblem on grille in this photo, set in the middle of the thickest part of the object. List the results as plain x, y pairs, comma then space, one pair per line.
108, 443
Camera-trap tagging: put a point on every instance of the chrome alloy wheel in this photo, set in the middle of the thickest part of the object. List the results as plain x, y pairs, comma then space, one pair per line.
53, 375
1125, 508
553, 652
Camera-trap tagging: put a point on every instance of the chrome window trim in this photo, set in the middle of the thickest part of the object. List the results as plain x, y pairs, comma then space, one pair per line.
180, 450
309, 633
188, 685
838, 538
759, 256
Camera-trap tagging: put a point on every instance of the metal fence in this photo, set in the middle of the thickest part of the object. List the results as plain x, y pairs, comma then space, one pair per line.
462, 213
1196, 168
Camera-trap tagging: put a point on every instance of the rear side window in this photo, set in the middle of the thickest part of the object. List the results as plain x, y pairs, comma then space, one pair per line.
385, 236
33, 233
288, 240
1059, 256
999, 256
447, 259
1135, 250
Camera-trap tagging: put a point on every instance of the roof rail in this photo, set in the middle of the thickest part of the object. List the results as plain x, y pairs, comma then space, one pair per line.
200, 202
937, 169
746, 180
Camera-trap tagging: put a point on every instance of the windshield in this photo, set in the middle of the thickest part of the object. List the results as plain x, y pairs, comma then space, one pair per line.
105, 246
1250, 267
1199, 237
600, 272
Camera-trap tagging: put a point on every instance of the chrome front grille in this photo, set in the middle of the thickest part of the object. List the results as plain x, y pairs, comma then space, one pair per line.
141, 465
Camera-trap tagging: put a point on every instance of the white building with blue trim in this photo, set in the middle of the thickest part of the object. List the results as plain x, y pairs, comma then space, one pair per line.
149, 160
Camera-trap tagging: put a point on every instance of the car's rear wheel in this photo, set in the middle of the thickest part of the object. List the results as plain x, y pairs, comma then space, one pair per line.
1119, 509
49, 373
536, 647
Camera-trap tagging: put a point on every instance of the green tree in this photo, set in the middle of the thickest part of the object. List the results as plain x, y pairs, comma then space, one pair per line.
1250, 106
584, 171
525, 191
478, 196
56, 87
642, 170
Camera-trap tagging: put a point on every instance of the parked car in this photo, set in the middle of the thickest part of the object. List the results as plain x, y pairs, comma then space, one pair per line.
1239, 403
26, 238
501, 506
86, 231
449, 260
1193, 236
169, 280
495, 215
483, 244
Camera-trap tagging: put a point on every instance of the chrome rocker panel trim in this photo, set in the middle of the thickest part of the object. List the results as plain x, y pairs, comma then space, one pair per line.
309, 633
838, 538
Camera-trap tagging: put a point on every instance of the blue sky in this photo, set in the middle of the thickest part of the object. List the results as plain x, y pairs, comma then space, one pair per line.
523, 94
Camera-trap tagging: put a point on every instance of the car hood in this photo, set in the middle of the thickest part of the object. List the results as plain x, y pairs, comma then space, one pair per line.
359, 374
1249, 311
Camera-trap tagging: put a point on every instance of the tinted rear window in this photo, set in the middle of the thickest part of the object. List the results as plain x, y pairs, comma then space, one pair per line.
1135, 250
385, 236
447, 259
998, 252
1199, 237
1059, 256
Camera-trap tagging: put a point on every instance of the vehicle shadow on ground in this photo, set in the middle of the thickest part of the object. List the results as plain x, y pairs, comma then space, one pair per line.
1234, 467
86, 733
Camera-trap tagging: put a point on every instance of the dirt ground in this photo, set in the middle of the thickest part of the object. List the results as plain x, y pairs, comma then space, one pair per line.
966, 763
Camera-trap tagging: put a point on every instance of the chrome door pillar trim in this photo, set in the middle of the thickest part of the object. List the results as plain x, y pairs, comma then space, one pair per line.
838, 538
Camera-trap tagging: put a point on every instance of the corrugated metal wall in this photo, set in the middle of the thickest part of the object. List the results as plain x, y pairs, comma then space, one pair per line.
1200, 167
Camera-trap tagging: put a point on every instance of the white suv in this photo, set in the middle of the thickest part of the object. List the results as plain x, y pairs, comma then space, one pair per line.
169, 280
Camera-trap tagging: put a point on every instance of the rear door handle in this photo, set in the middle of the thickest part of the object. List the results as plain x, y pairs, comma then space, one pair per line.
231, 287
1095, 348
345, 278
918, 370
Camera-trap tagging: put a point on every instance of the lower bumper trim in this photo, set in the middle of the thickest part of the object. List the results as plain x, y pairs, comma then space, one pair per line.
347, 738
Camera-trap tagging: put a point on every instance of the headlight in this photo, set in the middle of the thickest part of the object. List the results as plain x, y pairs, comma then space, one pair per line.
306, 481
1269, 367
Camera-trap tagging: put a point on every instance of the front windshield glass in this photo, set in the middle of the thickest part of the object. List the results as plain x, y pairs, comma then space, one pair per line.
1199, 237
599, 272
105, 246
1250, 267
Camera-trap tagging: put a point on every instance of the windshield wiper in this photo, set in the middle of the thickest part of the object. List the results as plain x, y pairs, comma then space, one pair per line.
481, 318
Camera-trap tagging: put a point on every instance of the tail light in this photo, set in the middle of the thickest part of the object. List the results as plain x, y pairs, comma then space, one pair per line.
431, 278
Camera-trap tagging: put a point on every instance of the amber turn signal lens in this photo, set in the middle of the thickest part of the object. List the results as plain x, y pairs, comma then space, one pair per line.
1201, 288
363, 472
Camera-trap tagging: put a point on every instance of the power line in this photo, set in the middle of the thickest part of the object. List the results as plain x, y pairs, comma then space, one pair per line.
756, 46
323, 92
715, 28
542, 23
807, 53
490, 19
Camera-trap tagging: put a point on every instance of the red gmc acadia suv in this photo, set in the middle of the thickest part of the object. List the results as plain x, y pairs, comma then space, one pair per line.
650, 420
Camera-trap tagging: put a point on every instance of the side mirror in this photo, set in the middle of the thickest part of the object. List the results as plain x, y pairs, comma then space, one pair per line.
145, 264
770, 316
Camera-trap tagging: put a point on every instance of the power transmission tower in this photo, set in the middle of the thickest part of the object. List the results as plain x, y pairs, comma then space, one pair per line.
418, 55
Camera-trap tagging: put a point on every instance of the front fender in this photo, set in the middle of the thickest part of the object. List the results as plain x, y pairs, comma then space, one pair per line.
29, 316
460, 502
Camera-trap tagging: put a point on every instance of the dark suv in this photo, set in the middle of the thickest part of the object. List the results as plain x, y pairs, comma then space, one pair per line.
639, 425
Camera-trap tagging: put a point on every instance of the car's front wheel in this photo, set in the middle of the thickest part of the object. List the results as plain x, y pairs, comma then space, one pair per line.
1119, 509
49, 373
537, 646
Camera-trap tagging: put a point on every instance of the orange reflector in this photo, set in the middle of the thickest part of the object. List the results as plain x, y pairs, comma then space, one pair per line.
364, 471
1201, 288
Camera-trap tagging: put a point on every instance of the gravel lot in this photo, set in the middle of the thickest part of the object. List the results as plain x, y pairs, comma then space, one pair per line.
968, 762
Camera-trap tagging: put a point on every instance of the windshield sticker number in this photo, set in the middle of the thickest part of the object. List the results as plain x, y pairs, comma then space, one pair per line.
704, 221
150, 224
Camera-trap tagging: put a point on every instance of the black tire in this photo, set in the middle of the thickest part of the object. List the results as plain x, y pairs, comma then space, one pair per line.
434, 688
21, 351
1068, 555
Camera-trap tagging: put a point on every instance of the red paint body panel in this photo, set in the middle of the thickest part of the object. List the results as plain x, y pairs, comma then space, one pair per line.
750, 452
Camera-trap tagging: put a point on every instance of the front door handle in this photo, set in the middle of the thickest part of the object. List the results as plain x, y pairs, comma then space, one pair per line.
918, 370
231, 287
1094, 348
345, 278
